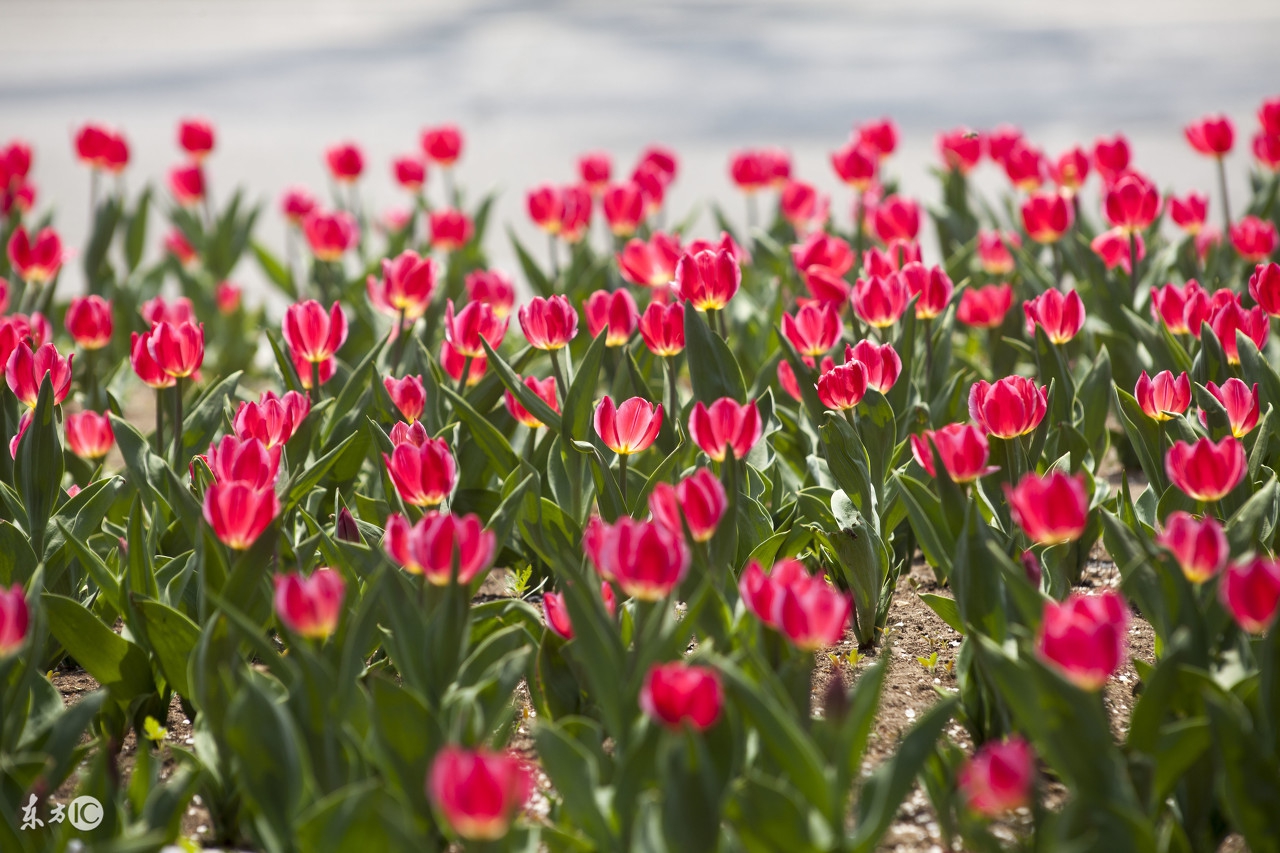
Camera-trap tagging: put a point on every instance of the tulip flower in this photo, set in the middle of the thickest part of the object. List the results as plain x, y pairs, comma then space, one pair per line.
438, 541
23, 422
443, 144
545, 389
330, 235
237, 460
1025, 166
963, 448
843, 386
1264, 287
556, 614
1009, 407
454, 363
998, 777
89, 435
725, 426
826, 286
1241, 402
475, 322
145, 365
814, 329
1083, 637
1047, 216
1199, 545
993, 251
238, 513
546, 207
594, 169
1253, 239
678, 693
425, 475
408, 395
272, 420
296, 204
802, 206
1181, 309
1189, 212
1061, 315
931, 285
961, 149
880, 301
1250, 592
89, 322
1206, 471
787, 376
1111, 158
1164, 397
102, 148
405, 287
856, 164
615, 311
1212, 135
1131, 203
1266, 150
623, 206
450, 229
1051, 509
310, 606
186, 184
1070, 170
985, 307
14, 620
644, 558
36, 261
822, 249
811, 613
698, 500
760, 591
896, 218
312, 334
880, 136
750, 170
629, 428
493, 287
651, 264
409, 172
26, 370
662, 328
345, 161
549, 323
1231, 318
479, 792
880, 361
708, 279
1000, 141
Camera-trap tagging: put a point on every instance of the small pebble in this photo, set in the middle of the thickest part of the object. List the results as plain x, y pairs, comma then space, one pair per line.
911, 714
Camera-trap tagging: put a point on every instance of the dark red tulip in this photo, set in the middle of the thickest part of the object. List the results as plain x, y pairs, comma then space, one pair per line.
310, 606
698, 500
963, 448
1083, 637
1164, 397
1047, 216
998, 777
725, 425
843, 386
15, 619
407, 283
545, 389
1212, 135
677, 693
549, 323
1206, 471
1241, 402
1251, 593
1188, 212
1253, 239
443, 144
1199, 545
630, 427
313, 334
1060, 315
238, 513
643, 557
425, 475
1009, 407
662, 328
615, 311
1051, 509
478, 792
985, 307
345, 161
450, 229
89, 435
196, 137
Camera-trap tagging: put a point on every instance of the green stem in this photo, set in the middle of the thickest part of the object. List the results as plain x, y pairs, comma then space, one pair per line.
1133, 264
91, 379
177, 423
315, 383
559, 374
462, 380
622, 479
857, 226
159, 422
673, 391
555, 260
398, 350
1226, 205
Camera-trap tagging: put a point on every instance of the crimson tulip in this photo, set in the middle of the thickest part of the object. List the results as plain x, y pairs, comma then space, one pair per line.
961, 149
437, 542
1250, 592
1061, 315
1231, 318
345, 161
709, 278
26, 370
985, 307
556, 614
856, 164
494, 287
1253, 239
406, 285
186, 184
297, 203
1111, 158
1025, 166
811, 613
1241, 402
549, 323
1164, 397
450, 229
1212, 135
1181, 309
678, 693
651, 264
1189, 212
594, 169
313, 334
89, 322
880, 361
475, 322
247, 460
662, 328
879, 301
1131, 203
1206, 471
409, 172
272, 420
408, 395
645, 558
880, 136
545, 389
843, 386
615, 311
15, 619
89, 435
238, 513
1264, 287
1047, 216
1199, 545
330, 235
698, 499
726, 425
35, 260
423, 475
1009, 407
1051, 509
1070, 170
144, 364
998, 777
896, 218
993, 251
814, 329
629, 428
1083, 637
310, 606
623, 206
963, 448
442, 144
931, 285
479, 792
101, 148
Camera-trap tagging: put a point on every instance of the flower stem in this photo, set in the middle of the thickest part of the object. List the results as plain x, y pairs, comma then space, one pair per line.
398, 350
622, 480
1226, 205
315, 383
555, 260
462, 380
177, 423
159, 422
559, 374
1133, 263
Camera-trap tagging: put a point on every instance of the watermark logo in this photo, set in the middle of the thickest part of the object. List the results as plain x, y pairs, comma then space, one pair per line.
85, 813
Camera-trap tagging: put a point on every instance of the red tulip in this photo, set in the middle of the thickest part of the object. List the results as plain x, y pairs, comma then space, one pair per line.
651, 264
1179, 307
453, 363
144, 364
549, 323
1047, 216
811, 613
643, 557
438, 541
1010, 407
822, 249
35, 261
1000, 142
1253, 238
408, 395
227, 296
406, 285
443, 144
195, 136
1111, 158
725, 426
1269, 115
238, 513
1199, 545
1264, 287
493, 287
623, 206
556, 614
881, 363
546, 207
25, 371
479, 792
1251, 593
998, 777
814, 329
175, 243
1164, 397
1060, 315
89, 321
963, 448
1231, 318
961, 149
985, 307
345, 161
297, 203
409, 433
23, 422
545, 389
881, 136
310, 606
613, 310
312, 334
89, 435
1132, 203
423, 476
725, 243
1205, 471
880, 301
1051, 509
475, 322
631, 427
826, 285
450, 229
237, 460
186, 183
662, 328
678, 693
1212, 135
896, 218
931, 285
994, 253
14, 620
409, 172
802, 206
698, 499
1083, 637
594, 169
102, 148
708, 279
1266, 150
1189, 212
330, 235
1113, 248
272, 420
856, 164
1070, 170
1025, 166
843, 386
760, 591
1242, 404
750, 170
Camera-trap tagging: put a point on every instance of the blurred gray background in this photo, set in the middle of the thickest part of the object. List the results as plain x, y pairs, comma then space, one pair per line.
535, 84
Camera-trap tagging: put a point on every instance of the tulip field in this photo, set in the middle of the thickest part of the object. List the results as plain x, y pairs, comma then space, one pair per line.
819, 518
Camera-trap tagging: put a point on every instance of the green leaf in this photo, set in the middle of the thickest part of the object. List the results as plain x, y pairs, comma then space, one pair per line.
945, 608
575, 773
304, 480
264, 749
579, 403
713, 369
348, 410
277, 273
484, 433
173, 638
38, 466
17, 560
116, 664
205, 420
135, 240
535, 405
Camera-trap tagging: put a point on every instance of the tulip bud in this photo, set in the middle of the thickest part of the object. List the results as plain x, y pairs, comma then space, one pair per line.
1083, 637
238, 513
479, 792
1164, 397
615, 311
631, 427
186, 183
998, 777
1060, 315
89, 435
594, 169
1199, 546
1131, 203
14, 620
25, 371
724, 426
345, 527
310, 606
1250, 592
556, 614
1206, 471
1051, 509
408, 395
677, 693
545, 389
409, 172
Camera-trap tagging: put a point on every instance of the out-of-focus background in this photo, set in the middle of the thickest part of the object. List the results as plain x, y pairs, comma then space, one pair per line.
534, 84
